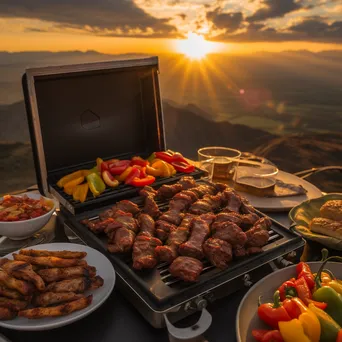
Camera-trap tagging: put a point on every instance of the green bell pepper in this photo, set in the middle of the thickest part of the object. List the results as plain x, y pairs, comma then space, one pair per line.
329, 328
96, 184
328, 295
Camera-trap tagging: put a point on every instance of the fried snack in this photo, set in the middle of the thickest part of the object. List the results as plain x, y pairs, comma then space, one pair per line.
49, 261
56, 274
13, 304
327, 227
13, 294
56, 311
6, 314
3, 261
50, 298
77, 285
58, 254
332, 210
22, 270
21, 286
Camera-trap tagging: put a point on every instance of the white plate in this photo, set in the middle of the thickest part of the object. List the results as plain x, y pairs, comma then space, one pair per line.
284, 203
104, 269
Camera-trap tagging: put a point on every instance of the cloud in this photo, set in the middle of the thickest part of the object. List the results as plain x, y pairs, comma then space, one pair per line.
107, 17
229, 21
274, 9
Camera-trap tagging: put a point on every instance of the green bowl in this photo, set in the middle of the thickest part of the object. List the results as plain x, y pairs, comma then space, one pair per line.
302, 214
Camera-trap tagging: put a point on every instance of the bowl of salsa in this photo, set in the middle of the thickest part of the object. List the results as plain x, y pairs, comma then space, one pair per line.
21, 216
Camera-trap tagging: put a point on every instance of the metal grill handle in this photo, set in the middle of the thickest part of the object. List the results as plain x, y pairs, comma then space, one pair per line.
192, 332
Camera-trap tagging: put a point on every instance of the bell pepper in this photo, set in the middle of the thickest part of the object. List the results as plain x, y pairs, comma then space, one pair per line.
70, 177
104, 166
328, 295
118, 167
293, 331
329, 328
288, 288
151, 157
134, 173
339, 336
267, 335
69, 187
304, 271
80, 192
124, 174
325, 277
161, 165
93, 170
165, 156
292, 307
183, 167
143, 173
303, 290
109, 179
139, 161
177, 157
173, 171
273, 313
96, 184
140, 182
150, 170
99, 161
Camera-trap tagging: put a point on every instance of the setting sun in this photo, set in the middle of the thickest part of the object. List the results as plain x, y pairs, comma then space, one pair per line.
195, 46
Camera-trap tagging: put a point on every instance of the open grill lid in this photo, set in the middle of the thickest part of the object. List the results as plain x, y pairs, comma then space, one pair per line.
77, 113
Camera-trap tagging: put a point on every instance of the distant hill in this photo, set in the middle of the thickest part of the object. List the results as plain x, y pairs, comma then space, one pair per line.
187, 129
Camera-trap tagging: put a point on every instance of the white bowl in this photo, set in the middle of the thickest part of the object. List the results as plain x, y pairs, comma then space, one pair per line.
19, 230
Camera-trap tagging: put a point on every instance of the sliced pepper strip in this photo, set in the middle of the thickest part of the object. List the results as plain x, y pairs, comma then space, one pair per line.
124, 174
74, 182
109, 179
183, 167
135, 173
96, 184
118, 167
139, 161
150, 170
139, 182
69, 178
160, 164
80, 192
165, 156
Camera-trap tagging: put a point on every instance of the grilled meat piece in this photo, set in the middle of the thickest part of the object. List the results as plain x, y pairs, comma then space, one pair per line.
220, 186
77, 285
231, 200
194, 197
168, 191
49, 261
186, 268
121, 240
209, 218
51, 298
219, 252
123, 219
204, 189
248, 220
215, 201
99, 226
180, 202
147, 225
199, 232
13, 304
258, 235
144, 255
3, 261
254, 250
6, 314
230, 232
151, 207
24, 287
239, 251
246, 208
127, 206
147, 191
13, 294
22, 270
200, 207
231, 217
59, 254
187, 182
163, 229
55, 274
168, 252
56, 311
172, 216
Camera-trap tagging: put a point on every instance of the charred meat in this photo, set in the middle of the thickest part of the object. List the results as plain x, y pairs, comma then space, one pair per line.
172, 216
123, 219
230, 232
180, 202
230, 216
147, 225
120, 240
239, 251
187, 182
144, 255
199, 232
147, 191
163, 229
258, 235
186, 268
219, 252
231, 200
151, 207
168, 191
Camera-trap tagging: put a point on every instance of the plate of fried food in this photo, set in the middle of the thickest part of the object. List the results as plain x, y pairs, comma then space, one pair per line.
52, 285
320, 220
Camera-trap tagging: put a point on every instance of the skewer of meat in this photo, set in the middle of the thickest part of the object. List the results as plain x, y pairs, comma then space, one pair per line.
168, 191
230, 232
258, 236
169, 252
219, 252
187, 182
144, 255
199, 232
150, 206
186, 268
163, 229
232, 200
124, 205
207, 204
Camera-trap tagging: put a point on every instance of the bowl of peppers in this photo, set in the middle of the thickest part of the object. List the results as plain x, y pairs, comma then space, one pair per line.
300, 303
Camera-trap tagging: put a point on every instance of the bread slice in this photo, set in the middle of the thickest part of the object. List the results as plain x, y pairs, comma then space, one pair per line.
332, 210
327, 227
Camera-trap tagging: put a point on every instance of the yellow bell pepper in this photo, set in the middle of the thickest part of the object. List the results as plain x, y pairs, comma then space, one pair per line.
70, 177
69, 187
69, 190
124, 174
80, 192
153, 172
96, 184
172, 169
306, 328
160, 164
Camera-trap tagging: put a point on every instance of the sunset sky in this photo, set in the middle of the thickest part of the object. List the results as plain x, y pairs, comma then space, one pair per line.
152, 26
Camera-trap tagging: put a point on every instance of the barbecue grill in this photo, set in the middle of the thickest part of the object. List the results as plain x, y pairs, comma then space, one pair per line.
113, 110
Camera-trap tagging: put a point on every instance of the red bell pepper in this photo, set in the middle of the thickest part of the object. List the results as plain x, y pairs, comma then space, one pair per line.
303, 290
117, 168
304, 271
320, 305
135, 173
140, 182
267, 335
183, 167
288, 289
143, 173
139, 161
165, 156
273, 313
292, 308
339, 336
177, 157
104, 166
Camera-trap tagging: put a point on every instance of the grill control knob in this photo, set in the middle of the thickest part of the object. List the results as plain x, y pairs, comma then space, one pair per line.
246, 280
197, 304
